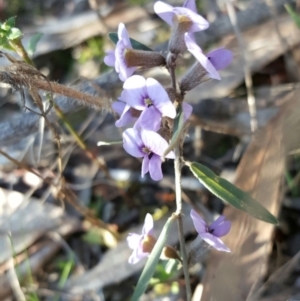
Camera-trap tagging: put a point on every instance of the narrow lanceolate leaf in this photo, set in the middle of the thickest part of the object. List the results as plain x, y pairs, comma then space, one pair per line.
33, 43
230, 194
135, 44
177, 129
295, 17
153, 259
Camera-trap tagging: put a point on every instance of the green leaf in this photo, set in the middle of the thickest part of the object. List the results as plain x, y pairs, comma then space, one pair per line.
33, 42
177, 129
4, 44
295, 17
229, 193
9, 23
14, 33
135, 44
153, 259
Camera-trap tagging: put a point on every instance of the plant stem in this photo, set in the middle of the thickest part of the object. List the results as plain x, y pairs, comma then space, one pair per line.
20, 50
177, 167
178, 213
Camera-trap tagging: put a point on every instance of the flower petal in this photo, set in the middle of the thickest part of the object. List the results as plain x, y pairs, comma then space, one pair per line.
137, 255
156, 143
220, 226
196, 51
135, 92
124, 36
191, 4
199, 223
145, 166
118, 107
134, 240
215, 242
220, 58
132, 143
110, 58
120, 63
164, 11
155, 168
170, 155
199, 23
125, 118
160, 98
148, 225
187, 110
150, 119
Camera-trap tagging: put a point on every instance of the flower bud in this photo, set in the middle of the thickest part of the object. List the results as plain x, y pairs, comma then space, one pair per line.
142, 58
181, 25
169, 252
148, 243
194, 77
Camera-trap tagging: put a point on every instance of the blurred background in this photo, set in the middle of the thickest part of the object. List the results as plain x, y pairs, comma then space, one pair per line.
66, 207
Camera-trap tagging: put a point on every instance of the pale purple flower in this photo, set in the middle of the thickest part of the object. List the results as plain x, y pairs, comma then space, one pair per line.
141, 243
148, 145
215, 60
117, 58
187, 110
110, 58
189, 10
149, 96
124, 110
210, 234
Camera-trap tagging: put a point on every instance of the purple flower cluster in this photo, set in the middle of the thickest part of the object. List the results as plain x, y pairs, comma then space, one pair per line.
145, 102
142, 244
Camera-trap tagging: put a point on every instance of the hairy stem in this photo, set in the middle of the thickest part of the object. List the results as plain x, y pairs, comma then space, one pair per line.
177, 167
178, 192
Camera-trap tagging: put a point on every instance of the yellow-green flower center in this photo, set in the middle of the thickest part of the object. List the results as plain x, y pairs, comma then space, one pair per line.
148, 102
146, 150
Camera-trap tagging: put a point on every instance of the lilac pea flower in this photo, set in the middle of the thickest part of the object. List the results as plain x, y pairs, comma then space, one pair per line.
189, 11
187, 110
141, 244
125, 112
110, 58
210, 234
117, 58
149, 96
148, 145
121, 48
213, 61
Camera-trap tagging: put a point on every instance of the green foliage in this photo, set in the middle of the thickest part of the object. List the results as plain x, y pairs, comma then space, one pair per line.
295, 17
230, 194
135, 44
33, 43
66, 268
164, 271
93, 237
152, 262
138, 2
92, 49
8, 32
